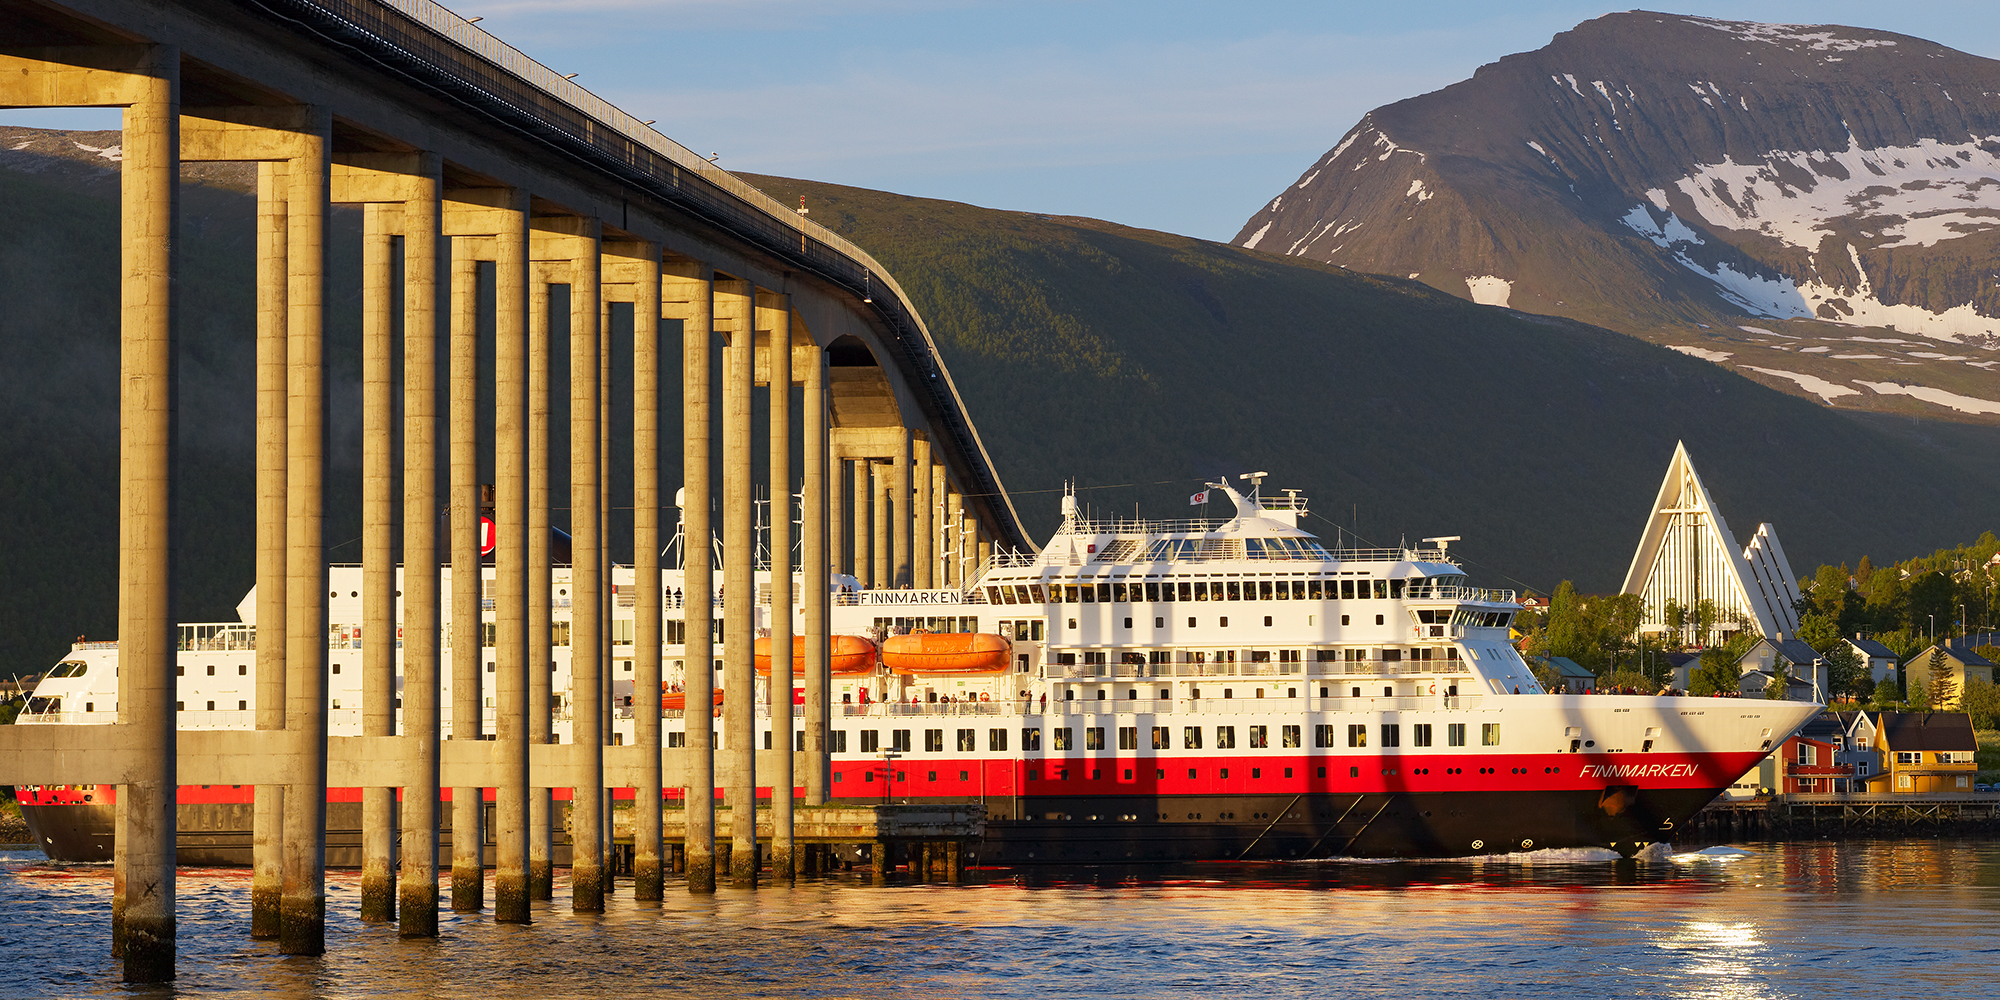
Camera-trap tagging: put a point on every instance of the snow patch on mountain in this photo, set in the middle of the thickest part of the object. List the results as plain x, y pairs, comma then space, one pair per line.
113, 153
1949, 400
1917, 195
1811, 383
1793, 37
1700, 352
1417, 191
1488, 290
1257, 237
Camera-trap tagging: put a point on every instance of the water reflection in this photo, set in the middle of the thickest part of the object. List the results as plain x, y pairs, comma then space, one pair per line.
1782, 921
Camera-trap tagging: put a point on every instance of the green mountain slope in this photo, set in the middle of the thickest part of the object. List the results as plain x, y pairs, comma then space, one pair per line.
1122, 356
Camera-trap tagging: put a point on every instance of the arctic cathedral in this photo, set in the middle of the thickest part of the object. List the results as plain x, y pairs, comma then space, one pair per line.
1687, 555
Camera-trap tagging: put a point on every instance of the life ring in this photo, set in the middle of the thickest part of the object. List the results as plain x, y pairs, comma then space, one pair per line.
1434, 687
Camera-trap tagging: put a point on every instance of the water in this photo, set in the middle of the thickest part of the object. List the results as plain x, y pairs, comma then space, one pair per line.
1911, 918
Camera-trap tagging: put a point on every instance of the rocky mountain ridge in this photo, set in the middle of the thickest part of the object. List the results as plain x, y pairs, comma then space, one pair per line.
1817, 207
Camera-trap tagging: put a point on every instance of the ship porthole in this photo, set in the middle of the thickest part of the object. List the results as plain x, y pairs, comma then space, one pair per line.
1527, 844
1478, 844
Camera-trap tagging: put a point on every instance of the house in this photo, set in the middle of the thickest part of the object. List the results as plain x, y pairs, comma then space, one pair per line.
1924, 753
1960, 664
1570, 676
1682, 667
1810, 762
1863, 754
1880, 660
1763, 662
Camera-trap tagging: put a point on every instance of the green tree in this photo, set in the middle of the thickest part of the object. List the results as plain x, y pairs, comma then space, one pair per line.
1706, 617
1717, 673
1628, 678
1941, 689
1981, 700
1887, 693
1676, 621
1567, 633
1820, 630
1780, 686
1847, 673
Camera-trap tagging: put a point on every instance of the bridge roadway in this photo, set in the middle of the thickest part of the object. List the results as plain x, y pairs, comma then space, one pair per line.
468, 156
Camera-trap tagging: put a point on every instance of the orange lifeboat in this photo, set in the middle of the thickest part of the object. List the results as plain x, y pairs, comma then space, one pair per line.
849, 655
960, 653
677, 700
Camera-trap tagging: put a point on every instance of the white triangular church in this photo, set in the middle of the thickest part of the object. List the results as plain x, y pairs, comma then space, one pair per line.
1687, 555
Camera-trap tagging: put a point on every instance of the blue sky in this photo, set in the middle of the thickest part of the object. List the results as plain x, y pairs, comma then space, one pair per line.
1185, 117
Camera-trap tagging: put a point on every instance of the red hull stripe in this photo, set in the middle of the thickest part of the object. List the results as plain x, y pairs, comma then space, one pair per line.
1261, 774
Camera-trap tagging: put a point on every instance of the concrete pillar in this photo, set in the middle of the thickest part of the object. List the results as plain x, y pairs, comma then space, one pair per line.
468, 871
882, 485
378, 557
899, 492
864, 525
922, 533
774, 319
586, 582
541, 653
268, 814
836, 502
647, 877
733, 315
149, 211
937, 522
302, 906
606, 713
815, 532
511, 662
691, 303
985, 553
422, 221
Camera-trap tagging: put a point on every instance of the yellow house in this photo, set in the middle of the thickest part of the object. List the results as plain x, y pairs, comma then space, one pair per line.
1924, 753
1960, 665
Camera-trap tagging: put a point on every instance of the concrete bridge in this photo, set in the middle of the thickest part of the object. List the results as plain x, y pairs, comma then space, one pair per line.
467, 155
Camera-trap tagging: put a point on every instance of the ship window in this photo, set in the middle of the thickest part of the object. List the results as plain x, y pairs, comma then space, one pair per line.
1223, 622
211, 706
1260, 737
1290, 736
1420, 734
1160, 738
1267, 621
1264, 590
1031, 738
899, 740
933, 741
1186, 591
1235, 590
1489, 734
1093, 737
1323, 735
1118, 593
996, 739
1104, 593
1357, 735
1392, 734
1069, 595
180, 671
1225, 737
1128, 737
1315, 589
1152, 592
1191, 737
336, 668
871, 740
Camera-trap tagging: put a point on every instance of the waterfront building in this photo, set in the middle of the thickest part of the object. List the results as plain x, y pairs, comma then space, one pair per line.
1924, 753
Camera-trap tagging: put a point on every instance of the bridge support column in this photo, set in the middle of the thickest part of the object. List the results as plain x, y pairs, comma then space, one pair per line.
689, 300
468, 872
774, 317
899, 505
954, 533
378, 560
922, 534
302, 906
936, 505
510, 560
267, 876
540, 657
865, 532
835, 488
816, 529
422, 231
647, 876
734, 313
587, 872
881, 486
148, 378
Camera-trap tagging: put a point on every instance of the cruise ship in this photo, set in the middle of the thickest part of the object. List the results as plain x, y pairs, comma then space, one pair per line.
1136, 691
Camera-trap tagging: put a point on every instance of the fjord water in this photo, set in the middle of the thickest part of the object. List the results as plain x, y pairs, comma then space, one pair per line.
1906, 918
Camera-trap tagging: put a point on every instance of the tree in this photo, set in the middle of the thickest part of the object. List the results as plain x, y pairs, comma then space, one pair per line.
1627, 679
1676, 621
1716, 674
1820, 630
1566, 633
1887, 693
1981, 700
1942, 691
1846, 674
1781, 683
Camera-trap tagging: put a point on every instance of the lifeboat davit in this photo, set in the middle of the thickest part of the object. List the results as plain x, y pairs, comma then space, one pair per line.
960, 653
848, 655
674, 701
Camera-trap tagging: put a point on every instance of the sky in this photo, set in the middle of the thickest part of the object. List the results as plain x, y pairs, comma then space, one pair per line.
1179, 116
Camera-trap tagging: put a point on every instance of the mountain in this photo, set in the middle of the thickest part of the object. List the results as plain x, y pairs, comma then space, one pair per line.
1817, 207
1138, 363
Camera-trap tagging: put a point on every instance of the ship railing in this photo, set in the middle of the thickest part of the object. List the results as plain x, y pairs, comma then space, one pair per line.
81, 645
1246, 703
937, 709
216, 637
1403, 668
66, 718
1448, 592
